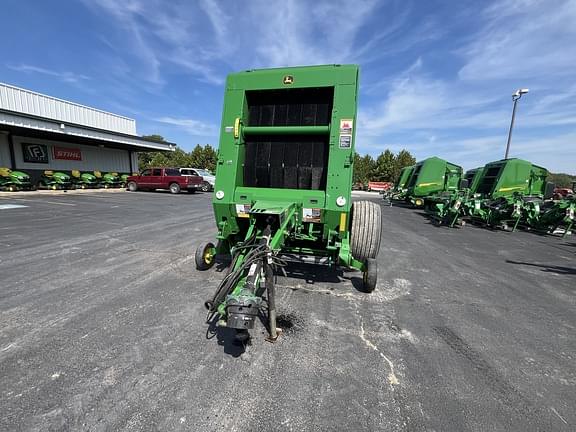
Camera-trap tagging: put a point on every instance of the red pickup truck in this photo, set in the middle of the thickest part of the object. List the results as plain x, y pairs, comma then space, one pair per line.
163, 178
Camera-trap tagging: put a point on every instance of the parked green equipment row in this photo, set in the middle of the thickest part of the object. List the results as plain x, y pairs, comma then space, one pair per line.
12, 180
504, 194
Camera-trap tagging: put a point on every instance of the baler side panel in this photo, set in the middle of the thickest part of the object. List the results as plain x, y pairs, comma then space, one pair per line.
340, 159
230, 159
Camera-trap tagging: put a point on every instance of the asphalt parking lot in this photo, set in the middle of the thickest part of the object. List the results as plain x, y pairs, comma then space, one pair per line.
102, 328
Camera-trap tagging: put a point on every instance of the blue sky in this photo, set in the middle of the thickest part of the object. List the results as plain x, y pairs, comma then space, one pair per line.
436, 76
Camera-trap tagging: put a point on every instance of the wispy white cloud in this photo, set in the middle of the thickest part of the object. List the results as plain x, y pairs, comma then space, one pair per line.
521, 40
129, 15
206, 39
464, 101
221, 23
521, 43
65, 76
416, 102
191, 126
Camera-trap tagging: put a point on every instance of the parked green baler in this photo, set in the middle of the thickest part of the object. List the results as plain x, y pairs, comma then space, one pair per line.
503, 189
401, 185
505, 177
473, 178
447, 208
283, 186
431, 177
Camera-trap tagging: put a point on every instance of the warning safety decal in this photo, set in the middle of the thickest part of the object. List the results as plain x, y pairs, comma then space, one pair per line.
346, 126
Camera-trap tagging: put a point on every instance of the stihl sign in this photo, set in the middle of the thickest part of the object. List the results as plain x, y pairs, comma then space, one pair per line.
64, 153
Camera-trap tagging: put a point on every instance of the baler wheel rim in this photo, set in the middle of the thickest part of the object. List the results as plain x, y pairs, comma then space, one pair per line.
208, 257
205, 255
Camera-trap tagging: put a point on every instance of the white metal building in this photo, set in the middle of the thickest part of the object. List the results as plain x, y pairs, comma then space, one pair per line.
39, 132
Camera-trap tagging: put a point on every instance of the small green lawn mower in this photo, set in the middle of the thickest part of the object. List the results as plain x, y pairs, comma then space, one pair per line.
124, 180
54, 180
283, 188
108, 180
12, 181
83, 180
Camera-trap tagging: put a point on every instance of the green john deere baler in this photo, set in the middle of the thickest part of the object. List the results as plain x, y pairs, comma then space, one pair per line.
503, 189
473, 178
283, 186
447, 207
431, 177
401, 185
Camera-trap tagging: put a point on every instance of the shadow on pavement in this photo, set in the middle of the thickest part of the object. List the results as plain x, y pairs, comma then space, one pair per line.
548, 268
312, 273
226, 338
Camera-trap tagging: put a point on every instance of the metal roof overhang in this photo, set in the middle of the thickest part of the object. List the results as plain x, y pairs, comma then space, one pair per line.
35, 127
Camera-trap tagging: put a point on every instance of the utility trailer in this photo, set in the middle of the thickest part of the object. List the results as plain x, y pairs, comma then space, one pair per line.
431, 177
283, 187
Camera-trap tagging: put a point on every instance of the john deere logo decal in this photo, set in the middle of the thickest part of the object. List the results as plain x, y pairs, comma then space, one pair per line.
288, 79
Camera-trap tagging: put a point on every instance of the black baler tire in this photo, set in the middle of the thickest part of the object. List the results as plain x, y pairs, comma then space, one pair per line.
365, 230
132, 186
370, 276
201, 263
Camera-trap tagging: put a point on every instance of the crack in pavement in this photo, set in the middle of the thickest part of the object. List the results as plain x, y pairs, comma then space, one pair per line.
392, 378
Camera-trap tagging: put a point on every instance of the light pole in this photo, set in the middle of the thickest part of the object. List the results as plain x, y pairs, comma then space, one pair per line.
517, 95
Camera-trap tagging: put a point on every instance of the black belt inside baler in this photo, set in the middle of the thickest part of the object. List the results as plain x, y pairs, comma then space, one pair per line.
286, 162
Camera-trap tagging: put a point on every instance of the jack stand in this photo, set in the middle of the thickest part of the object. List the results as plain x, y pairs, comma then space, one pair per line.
270, 289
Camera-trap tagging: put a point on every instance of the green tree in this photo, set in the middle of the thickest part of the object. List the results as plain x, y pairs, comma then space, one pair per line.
199, 157
363, 168
385, 166
154, 137
145, 158
561, 179
403, 159
159, 159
